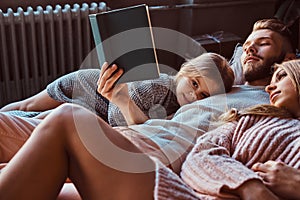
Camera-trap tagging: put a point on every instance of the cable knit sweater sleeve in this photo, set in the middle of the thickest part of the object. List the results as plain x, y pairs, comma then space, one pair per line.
210, 167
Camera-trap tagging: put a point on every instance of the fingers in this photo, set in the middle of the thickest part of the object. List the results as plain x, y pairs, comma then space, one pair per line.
267, 166
264, 176
262, 171
108, 77
259, 167
272, 163
268, 171
103, 69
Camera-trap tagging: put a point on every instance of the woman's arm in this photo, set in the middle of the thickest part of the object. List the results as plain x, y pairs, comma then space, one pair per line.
118, 94
280, 178
253, 190
39, 102
210, 169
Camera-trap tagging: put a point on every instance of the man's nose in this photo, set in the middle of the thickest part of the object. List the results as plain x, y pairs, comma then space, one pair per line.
251, 49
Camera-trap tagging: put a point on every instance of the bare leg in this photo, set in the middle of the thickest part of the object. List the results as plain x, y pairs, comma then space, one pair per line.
56, 151
68, 192
14, 131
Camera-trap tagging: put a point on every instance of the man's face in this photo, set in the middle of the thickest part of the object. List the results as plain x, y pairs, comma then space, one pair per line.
261, 50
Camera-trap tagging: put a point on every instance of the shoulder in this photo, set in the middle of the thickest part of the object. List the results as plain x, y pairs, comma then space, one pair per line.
79, 74
88, 73
240, 89
245, 96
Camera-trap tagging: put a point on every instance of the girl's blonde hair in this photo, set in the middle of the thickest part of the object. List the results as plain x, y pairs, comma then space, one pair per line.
210, 65
292, 68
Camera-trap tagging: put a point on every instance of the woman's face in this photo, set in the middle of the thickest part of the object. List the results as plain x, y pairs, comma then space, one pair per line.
190, 89
283, 93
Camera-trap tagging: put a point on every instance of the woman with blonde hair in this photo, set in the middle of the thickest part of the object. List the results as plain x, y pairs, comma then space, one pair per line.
220, 163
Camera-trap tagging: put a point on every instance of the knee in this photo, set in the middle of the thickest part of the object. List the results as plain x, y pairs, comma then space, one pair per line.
3, 118
67, 111
61, 123
67, 108
68, 115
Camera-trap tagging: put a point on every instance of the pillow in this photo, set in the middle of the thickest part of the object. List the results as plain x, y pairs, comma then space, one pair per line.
236, 65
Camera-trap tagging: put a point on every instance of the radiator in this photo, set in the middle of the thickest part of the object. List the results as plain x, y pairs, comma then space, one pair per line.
37, 46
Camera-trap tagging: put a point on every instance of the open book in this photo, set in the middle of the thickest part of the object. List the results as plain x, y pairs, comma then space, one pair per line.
124, 37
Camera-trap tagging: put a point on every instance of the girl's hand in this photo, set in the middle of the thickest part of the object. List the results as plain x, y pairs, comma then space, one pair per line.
107, 86
118, 94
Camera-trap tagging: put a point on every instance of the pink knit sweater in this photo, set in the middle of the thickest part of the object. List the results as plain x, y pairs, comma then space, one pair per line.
223, 157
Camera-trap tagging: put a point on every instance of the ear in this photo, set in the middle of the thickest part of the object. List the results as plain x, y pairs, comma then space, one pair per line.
289, 56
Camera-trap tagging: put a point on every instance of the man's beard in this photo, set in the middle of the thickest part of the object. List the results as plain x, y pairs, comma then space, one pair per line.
258, 71
255, 72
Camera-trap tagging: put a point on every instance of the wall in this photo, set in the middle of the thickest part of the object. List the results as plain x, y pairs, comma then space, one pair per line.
204, 16
112, 3
191, 17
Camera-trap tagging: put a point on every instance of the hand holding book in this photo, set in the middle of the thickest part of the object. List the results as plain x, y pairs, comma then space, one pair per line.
107, 86
118, 93
124, 37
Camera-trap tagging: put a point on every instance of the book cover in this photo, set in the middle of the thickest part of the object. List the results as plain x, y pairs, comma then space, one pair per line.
124, 37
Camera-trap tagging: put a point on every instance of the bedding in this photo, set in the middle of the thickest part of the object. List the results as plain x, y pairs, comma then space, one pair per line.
236, 65
177, 136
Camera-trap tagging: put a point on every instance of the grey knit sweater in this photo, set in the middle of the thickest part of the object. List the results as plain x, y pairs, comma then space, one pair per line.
156, 98
222, 157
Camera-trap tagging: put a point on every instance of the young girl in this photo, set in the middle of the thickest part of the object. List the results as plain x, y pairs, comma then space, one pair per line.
206, 75
219, 164
156, 98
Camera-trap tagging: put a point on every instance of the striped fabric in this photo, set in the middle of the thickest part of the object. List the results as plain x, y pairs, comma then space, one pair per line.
223, 157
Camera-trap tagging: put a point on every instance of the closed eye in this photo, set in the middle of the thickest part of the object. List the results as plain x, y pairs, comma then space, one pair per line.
204, 95
280, 75
264, 43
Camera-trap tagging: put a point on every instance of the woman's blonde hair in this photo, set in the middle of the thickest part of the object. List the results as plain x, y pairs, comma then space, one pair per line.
292, 68
210, 65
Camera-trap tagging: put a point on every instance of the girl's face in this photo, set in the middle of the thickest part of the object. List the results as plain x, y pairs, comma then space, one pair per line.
283, 93
189, 89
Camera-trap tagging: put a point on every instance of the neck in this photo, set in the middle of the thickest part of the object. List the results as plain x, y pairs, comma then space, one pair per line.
261, 82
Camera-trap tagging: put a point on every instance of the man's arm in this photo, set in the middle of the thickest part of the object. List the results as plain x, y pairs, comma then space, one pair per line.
39, 102
210, 169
